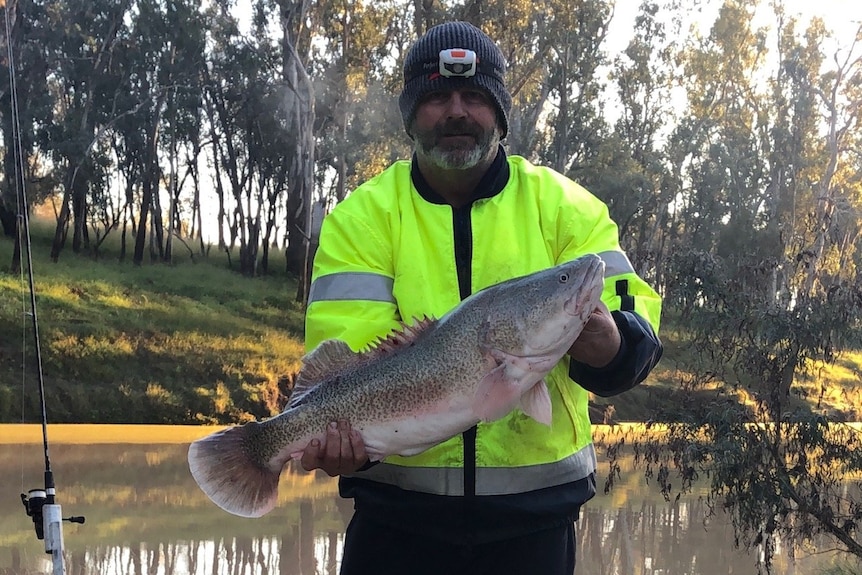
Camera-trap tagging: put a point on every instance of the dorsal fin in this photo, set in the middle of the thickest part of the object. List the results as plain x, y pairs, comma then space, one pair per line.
334, 356
331, 356
399, 338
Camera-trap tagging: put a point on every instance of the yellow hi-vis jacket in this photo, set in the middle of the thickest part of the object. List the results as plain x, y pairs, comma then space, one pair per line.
387, 254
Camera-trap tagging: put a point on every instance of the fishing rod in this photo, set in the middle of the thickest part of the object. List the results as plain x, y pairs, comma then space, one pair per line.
40, 504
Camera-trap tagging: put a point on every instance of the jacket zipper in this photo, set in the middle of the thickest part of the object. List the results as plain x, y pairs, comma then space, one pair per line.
462, 228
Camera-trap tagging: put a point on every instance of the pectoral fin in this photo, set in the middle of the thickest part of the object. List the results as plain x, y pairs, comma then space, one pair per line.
496, 395
536, 403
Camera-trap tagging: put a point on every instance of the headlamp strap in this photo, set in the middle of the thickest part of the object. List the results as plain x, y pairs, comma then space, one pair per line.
453, 63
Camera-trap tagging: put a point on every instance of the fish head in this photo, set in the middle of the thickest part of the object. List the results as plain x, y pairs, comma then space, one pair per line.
542, 314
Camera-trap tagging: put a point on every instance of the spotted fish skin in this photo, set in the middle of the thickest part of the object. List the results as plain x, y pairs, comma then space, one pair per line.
418, 387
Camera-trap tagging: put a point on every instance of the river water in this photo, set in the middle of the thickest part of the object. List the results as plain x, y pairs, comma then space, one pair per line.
146, 516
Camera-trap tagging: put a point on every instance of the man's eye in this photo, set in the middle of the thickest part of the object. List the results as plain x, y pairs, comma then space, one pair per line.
475, 96
436, 97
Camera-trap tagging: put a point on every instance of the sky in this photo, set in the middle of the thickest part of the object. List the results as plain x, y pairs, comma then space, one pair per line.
842, 17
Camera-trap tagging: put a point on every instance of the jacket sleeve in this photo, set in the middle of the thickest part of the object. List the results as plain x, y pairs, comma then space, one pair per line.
351, 292
634, 304
640, 351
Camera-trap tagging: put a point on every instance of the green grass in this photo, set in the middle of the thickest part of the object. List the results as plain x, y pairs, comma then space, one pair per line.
157, 343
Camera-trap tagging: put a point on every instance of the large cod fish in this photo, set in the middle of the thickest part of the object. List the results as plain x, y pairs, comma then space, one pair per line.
418, 387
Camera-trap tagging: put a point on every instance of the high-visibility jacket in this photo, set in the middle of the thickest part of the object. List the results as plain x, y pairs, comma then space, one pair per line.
390, 253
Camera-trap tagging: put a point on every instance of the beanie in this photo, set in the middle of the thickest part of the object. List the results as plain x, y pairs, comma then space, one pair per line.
450, 56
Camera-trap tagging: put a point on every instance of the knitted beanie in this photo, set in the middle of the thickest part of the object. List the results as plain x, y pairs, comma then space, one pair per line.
424, 72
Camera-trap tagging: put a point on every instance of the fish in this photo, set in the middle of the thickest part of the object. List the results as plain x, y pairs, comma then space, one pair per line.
419, 386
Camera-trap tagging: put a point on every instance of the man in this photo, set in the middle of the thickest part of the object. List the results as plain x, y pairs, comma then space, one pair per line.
414, 241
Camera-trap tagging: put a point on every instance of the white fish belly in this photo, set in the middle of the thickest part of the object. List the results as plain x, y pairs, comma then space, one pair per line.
414, 433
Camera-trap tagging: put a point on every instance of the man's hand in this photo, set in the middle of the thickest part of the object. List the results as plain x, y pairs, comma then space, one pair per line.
599, 343
343, 452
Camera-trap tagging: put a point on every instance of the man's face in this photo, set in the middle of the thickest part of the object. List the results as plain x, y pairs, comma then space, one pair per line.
456, 129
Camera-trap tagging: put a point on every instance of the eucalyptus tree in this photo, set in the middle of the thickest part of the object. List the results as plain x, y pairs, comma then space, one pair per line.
357, 123
23, 133
838, 193
222, 38
127, 149
423, 15
151, 50
718, 145
234, 79
553, 53
765, 275
267, 136
518, 27
164, 72
574, 32
80, 50
630, 171
351, 77
578, 124
299, 113
183, 118
258, 102
269, 140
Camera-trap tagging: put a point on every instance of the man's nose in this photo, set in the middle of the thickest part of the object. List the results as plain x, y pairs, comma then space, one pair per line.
456, 107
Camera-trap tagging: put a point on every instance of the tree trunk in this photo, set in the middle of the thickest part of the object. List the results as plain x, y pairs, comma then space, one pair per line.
9, 194
141, 236
423, 15
150, 182
7, 221
301, 160
80, 237
65, 213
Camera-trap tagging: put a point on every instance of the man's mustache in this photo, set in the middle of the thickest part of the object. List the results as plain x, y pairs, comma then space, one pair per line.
458, 128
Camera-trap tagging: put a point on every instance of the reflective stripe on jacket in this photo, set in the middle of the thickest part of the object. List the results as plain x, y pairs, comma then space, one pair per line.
388, 254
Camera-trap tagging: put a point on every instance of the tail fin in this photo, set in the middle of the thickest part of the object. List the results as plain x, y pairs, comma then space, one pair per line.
221, 465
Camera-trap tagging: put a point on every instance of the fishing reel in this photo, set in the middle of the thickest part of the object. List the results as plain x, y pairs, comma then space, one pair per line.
47, 517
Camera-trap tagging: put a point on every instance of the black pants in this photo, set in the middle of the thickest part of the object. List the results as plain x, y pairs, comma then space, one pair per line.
374, 549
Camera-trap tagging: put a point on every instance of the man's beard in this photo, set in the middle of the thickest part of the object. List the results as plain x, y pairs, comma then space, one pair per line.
458, 157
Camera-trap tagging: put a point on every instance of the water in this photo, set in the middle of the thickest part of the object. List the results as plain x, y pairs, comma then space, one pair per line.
145, 515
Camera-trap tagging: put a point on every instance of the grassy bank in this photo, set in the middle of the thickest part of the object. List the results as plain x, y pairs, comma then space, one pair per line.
184, 343
195, 342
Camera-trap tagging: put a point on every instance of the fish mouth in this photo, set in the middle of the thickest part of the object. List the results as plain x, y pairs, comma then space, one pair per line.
593, 276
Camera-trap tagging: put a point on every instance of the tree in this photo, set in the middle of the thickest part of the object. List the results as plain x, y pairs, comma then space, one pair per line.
630, 171
23, 124
81, 55
767, 282
183, 109
248, 134
24, 56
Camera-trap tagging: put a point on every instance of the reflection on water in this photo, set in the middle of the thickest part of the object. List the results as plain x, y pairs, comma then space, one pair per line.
146, 516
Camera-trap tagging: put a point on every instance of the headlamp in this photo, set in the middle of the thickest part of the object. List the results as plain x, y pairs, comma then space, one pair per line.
458, 63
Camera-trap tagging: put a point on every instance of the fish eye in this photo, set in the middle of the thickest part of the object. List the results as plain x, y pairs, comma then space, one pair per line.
564, 278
